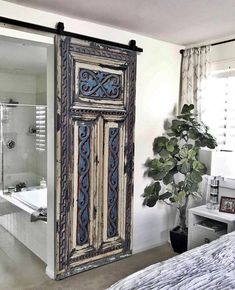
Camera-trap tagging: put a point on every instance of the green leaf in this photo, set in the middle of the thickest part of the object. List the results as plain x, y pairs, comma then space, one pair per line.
199, 166
180, 184
159, 175
176, 151
151, 194
153, 164
198, 143
180, 196
192, 153
187, 109
192, 134
195, 176
164, 153
150, 201
185, 167
165, 195
192, 187
170, 134
178, 126
188, 146
170, 147
168, 178
173, 141
172, 199
169, 164
152, 189
159, 143
183, 152
156, 169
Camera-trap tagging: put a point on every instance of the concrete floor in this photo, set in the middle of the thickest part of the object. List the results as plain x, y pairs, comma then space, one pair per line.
20, 269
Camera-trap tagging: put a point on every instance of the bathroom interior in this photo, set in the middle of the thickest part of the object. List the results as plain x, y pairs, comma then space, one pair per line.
23, 152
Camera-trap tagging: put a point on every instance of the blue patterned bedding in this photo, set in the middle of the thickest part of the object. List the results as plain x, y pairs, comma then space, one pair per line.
210, 267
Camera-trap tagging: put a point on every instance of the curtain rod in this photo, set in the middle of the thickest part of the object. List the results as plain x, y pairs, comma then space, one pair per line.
213, 44
60, 30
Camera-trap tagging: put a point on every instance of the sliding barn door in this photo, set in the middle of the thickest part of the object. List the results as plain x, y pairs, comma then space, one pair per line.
95, 150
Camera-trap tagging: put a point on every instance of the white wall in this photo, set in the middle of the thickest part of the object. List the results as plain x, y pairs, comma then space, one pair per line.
157, 92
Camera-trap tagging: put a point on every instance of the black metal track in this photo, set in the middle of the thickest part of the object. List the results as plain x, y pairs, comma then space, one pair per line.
214, 44
60, 30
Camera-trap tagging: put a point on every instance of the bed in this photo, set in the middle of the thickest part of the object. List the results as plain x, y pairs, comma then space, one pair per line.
210, 267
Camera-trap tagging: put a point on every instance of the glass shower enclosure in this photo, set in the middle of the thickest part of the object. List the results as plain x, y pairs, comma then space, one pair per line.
22, 147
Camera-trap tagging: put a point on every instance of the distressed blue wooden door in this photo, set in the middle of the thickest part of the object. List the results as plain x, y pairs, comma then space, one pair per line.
95, 150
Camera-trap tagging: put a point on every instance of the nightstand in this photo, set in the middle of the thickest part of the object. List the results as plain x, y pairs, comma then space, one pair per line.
205, 225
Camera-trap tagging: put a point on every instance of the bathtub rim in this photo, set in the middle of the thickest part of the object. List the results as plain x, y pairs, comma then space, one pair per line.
18, 203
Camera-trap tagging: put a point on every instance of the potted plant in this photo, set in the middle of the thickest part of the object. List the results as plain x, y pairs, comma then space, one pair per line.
175, 169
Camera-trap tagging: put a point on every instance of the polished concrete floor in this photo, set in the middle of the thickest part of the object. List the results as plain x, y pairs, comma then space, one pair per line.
20, 269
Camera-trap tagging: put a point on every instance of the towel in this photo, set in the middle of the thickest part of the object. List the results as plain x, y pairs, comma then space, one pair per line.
40, 214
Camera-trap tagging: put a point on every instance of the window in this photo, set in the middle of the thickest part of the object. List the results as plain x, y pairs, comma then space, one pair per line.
41, 128
218, 107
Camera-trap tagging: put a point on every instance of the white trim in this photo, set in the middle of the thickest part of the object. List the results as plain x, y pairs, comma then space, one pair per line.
33, 38
51, 196
50, 273
10, 198
21, 105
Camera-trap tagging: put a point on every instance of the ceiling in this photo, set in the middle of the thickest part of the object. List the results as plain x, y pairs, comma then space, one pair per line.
178, 21
22, 58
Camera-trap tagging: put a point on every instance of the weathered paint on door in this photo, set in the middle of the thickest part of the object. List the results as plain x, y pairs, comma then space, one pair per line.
94, 154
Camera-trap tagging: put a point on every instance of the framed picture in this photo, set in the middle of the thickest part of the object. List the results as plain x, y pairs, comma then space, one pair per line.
227, 204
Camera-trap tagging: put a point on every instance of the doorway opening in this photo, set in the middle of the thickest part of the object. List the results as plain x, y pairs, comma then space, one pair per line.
26, 152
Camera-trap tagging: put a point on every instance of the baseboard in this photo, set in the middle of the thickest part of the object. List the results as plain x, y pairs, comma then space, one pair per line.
148, 247
50, 273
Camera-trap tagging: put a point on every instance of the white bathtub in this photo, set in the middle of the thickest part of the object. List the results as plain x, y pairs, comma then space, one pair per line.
32, 234
34, 198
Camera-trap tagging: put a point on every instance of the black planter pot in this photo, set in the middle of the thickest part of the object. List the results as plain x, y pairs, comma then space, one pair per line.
179, 240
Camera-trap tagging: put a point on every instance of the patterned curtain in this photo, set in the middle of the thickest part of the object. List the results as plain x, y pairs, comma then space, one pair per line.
194, 73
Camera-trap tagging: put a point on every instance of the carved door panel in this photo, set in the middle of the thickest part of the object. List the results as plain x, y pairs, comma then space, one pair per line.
95, 148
